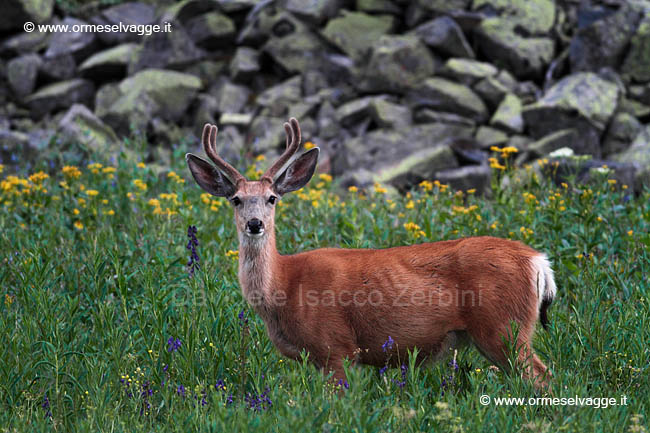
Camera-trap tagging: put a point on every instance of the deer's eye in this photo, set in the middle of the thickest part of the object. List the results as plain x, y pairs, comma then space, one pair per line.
272, 199
236, 201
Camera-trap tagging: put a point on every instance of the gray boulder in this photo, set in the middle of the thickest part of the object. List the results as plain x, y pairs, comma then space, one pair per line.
111, 63
165, 50
313, 11
554, 141
79, 44
443, 34
211, 30
508, 114
62, 67
24, 43
621, 133
297, 51
81, 126
128, 14
388, 114
356, 32
382, 147
147, 94
265, 134
279, 98
21, 74
637, 63
378, 7
492, 90
444, 95
427, 115
354, 111
184, 10
584, 102
244, 64
532, 16
60, 95
468, 177
16, 12
417, 167
603, 42
638, 154
488, 137
524, 56
396, 64
442, 6
467, 71
587, 94
229, 97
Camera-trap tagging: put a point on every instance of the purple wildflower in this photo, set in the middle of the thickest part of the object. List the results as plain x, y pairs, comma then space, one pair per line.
388, 344
192, 243
402, 382
173, 344
383, 370
343, 383
243, 321
180, 390
46, 406
259, 402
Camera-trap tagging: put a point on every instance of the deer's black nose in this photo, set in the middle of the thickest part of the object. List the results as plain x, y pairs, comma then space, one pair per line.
255, 226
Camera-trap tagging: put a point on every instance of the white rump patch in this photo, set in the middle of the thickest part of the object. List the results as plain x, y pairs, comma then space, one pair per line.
543, 279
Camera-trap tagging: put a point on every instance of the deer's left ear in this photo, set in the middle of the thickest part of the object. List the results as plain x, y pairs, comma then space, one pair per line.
298, 173
209, 177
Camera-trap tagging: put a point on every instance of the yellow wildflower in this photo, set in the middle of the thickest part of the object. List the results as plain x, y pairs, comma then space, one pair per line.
140, 184
71, 172
471, 191
38, 178
110, 212
309, 145
379, 189
91, 192
353, 188
325, 177
234, 254
410, 204
426, 185
141, 165
78, 225
260, 158
494, 163
75, 211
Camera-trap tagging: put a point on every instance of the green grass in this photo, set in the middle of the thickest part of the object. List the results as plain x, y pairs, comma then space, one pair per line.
91, 296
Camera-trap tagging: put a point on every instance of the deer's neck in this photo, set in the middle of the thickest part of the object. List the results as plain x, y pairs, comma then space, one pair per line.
257, 259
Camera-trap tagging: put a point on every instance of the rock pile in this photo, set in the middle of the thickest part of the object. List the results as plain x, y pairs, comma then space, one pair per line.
392, 90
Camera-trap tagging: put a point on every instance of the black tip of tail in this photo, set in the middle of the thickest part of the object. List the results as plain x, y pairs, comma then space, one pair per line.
542, 312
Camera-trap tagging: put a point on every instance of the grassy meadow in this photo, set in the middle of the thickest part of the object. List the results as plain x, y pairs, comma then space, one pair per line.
106, 328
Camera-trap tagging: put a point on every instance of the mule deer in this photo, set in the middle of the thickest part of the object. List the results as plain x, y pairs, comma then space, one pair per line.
338, 303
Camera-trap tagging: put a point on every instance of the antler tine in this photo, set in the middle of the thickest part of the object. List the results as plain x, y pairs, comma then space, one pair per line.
209, 140
292, 129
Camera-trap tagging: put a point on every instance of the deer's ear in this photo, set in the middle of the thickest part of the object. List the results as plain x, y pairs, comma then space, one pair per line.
298, 173
209, 177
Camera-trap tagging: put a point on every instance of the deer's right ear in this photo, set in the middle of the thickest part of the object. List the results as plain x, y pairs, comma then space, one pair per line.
208, 177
